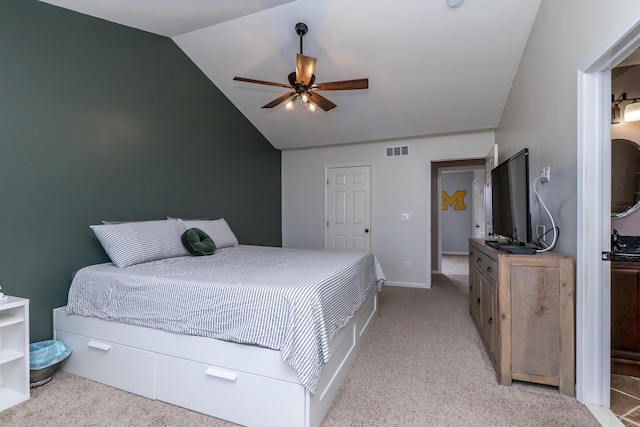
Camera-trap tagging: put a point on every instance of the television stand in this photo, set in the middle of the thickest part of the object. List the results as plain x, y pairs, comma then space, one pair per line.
517, 249
510, 248
492, 243
523, 308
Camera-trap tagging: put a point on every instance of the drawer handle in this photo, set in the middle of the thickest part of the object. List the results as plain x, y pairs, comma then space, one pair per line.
478, 301
490, 320
219, 373
99, 345
489, 269
478, 260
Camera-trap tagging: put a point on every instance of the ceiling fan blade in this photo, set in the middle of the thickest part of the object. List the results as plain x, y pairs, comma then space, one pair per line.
321, 101
279, 100
261, 82
305, 66
343, 85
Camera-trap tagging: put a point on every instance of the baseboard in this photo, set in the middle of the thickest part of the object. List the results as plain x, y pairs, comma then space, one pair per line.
407, 284
604, 416
630, 368
455, 253
465, 273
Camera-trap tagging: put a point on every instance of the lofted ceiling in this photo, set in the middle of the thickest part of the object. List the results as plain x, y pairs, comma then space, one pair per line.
432, 69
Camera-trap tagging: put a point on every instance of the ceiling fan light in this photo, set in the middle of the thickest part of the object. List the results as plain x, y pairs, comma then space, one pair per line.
304, 97
311, 107
290, 104
632, 112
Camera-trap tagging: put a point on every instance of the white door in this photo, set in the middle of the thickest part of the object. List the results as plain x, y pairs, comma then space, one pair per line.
348, 208
491, 161
478, 224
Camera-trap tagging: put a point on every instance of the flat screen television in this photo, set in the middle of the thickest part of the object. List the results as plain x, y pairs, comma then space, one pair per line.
510, 199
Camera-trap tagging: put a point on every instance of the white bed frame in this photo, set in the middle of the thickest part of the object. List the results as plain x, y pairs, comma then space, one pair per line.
244, 384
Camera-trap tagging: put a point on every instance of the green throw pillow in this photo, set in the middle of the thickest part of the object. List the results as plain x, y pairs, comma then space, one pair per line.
198, 242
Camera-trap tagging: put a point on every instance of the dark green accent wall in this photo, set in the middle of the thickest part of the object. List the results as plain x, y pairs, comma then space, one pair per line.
101, 121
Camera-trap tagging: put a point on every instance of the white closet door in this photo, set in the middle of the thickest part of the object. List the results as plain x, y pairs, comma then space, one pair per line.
349, 208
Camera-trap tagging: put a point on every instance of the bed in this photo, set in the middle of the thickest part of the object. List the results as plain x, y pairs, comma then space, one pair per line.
253, 335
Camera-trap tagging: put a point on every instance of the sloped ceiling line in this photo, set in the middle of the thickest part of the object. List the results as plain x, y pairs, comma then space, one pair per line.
432, 69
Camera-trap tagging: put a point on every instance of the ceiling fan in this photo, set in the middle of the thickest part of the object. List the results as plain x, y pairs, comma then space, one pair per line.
302, 81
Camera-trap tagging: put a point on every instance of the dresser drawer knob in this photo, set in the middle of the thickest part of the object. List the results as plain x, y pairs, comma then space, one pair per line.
219, 373
99, 345
489, 269
478, 301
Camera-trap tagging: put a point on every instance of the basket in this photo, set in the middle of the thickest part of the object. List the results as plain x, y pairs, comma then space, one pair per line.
42, 376
44, 358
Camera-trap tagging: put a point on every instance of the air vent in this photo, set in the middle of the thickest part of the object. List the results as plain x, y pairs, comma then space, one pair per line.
399, 150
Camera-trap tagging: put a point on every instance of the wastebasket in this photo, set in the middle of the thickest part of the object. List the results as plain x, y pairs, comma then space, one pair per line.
44, 357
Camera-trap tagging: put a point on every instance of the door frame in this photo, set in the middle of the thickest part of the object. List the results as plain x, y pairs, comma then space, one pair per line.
430, 268
479, 210
372, 225
593, 290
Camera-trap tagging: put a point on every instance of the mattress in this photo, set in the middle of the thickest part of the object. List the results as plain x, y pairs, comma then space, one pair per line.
289, 300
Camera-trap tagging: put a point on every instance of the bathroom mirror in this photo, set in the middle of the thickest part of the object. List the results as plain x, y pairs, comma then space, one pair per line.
625, 177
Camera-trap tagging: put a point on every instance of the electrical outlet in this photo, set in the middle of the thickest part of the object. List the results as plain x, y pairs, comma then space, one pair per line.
407, 264
541, 231
545, 174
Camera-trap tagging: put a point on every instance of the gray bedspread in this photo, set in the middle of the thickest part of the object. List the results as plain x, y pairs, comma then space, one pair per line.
289, 300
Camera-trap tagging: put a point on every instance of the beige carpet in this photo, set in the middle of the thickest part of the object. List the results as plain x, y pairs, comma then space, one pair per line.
455, 264
423, 365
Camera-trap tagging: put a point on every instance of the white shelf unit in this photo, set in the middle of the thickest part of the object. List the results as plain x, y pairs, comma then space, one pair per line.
14, 352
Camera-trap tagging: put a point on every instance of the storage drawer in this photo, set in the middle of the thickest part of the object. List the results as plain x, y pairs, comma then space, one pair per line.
239, 397
370, 308
119, 366
485, 264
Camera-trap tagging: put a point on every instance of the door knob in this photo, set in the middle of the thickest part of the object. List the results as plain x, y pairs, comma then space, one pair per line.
366, 230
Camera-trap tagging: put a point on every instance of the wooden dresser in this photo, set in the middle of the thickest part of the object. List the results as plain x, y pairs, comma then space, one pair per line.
523, 307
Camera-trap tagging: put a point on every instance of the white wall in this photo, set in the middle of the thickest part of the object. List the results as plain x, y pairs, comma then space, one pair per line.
541, 110
542, 113
399, 184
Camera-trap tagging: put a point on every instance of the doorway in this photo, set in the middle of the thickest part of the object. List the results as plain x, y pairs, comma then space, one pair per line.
625, 276
437, 233
593, 296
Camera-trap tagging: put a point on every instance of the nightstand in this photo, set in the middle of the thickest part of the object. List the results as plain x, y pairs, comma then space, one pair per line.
14, 351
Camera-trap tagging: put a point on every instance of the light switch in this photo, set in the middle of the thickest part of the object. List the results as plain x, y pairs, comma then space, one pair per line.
406, 217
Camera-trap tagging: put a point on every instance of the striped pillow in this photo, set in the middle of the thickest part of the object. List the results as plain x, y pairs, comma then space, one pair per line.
135, 242
217, 229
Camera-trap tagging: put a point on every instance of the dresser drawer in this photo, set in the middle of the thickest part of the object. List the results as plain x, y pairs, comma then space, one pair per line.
119, 366
485, 264
235, 396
